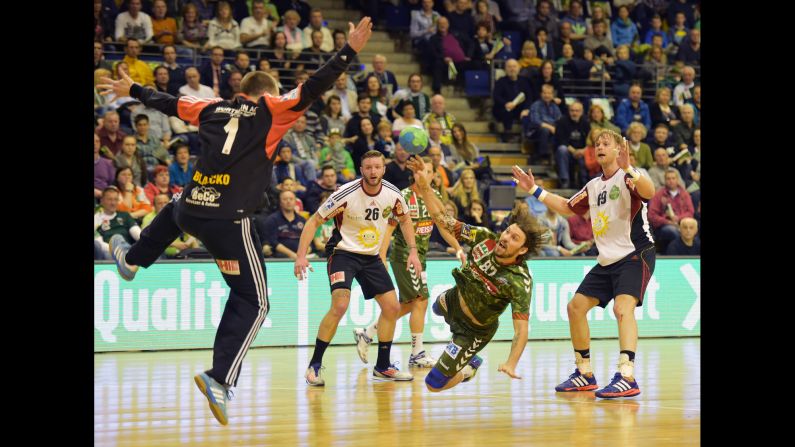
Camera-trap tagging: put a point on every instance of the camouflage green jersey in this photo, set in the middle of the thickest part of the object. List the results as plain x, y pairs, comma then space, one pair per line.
423, 225
486, 285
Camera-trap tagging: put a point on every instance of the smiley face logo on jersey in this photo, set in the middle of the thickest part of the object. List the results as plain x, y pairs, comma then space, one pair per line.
368, 237
599, 224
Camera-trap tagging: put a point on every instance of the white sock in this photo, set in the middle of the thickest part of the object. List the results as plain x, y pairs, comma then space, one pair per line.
584, 365
416, 343
372, 330
467, 371
625, 367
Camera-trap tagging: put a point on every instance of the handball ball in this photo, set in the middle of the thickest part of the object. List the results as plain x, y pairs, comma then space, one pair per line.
413, 140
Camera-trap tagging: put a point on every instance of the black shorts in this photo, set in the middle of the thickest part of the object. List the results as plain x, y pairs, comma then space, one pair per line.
368, 270
629, 276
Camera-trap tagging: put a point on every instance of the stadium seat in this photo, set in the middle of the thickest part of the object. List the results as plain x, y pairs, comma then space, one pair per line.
397, 18
476, 83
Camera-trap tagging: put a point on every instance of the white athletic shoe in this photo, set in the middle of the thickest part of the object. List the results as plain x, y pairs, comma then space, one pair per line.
362, 343
421, 360
392, 373
313, 377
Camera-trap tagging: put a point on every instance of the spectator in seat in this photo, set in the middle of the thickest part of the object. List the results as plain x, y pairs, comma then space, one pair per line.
423, 26
313, 56
560, 243
623, 29
223, 30
283, 228
445, 175
176, 72
662, 164
161, 185
599, 39
181, 170
164, 28
110, 135
462, 23
129, 157
289, 167
256, 30
292, 33
134, 24
683, 131
109, 221
407, 118
546, 75
332, 116
546, 51
477, 215
306, 152
529, 60
194, 88
545, 18
669, 205
414, 93
316, 24
387, 78
192, 30
138, 70
465, 191
575, 18
661, 111
231, 88
378, 96
568, 36
632, 109
103, 170
684, 90
598, 120
444, 48
506, 90
326, 184
690, 48
397, 173
540, 124
435, 135
151, 149
439, 114
353, 127
335, 155
482, 15
347, 97
99, 58
687, 244
678, 31
571, 132
214, 72
132, 197
636, 134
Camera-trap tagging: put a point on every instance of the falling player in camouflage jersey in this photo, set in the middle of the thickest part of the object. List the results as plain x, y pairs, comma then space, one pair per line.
413, 289
496, 275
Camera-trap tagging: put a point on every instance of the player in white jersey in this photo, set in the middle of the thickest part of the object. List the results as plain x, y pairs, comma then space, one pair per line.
361, 210
617, 203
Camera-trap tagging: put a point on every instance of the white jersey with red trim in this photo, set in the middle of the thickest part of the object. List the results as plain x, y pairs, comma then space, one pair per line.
619, 216
361, 219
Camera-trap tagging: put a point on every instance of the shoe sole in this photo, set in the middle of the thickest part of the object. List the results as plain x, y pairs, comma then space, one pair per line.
579, 388
314, 384
215, 408
419, 365
362, 354
394, 379
628, 393
118, 268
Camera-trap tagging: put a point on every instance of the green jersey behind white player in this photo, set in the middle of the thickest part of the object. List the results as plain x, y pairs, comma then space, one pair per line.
412, 288
495, 276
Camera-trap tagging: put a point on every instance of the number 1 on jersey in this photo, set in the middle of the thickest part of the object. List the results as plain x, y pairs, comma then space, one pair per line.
231, 130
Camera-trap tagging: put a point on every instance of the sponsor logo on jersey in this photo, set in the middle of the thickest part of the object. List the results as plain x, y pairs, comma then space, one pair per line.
292, 94
245, 110
215, 179
368, 237
425, 227
204, 196
398, 210
337, 277
599, 224
386, 211
466, 232
229, 267
483, 249
300, 225
452, 350
329, 205
614, 192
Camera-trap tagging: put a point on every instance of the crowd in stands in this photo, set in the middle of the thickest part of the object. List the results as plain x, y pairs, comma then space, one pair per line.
142, 157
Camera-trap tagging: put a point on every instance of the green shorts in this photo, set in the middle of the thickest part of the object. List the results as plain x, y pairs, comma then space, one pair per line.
468, 339
409, 286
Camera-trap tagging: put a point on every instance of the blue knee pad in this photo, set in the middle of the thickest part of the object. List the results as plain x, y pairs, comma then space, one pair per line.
436, 379
437, 308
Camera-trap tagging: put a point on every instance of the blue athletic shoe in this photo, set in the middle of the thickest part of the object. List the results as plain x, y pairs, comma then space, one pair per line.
118, 250
619, 387
475, 364
578, 382
217, 395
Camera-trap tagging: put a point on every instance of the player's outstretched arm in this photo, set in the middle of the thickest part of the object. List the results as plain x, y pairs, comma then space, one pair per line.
149, 97
643, 185
307, 234
407, 228
433, 203
527, 182
517, 348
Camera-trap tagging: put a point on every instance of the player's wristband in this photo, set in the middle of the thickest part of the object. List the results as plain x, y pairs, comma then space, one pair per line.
634, 173
412, 246
459, 251
538, 192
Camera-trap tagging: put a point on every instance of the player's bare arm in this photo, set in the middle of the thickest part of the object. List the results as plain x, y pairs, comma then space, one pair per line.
407, 227
643, 185
307, 234
517, 348
527, 182
434, 205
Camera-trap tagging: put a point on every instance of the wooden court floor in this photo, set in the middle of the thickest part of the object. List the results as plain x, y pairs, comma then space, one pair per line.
150, 399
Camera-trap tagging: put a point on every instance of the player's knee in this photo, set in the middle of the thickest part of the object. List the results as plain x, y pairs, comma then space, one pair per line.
435, 380
338, 309
420, 304
574, 308
390, 310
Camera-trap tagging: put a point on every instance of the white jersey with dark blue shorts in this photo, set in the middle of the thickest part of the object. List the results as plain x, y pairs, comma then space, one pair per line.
360, 221
622, 232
